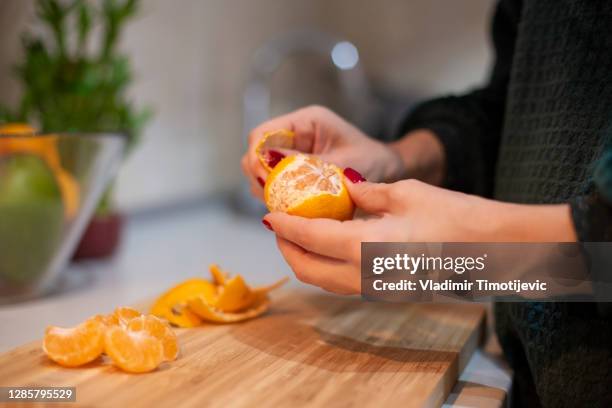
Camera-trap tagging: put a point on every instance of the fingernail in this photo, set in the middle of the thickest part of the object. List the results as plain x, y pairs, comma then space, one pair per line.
353, 175
267, 225
274, 157
261, 182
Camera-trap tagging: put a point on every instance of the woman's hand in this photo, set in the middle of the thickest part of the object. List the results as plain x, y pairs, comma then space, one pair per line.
321, 132
327, 253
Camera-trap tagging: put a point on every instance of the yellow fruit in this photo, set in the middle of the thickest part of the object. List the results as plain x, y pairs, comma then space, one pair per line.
16, 129
133, 351
276, 139
306, 186
158, 329
75, 346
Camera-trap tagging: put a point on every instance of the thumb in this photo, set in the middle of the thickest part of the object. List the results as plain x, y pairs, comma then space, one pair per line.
370, 197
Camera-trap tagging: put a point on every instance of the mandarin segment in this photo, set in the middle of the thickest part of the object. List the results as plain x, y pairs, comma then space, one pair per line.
158, 329
72, 347
108, 320
123, 315
133, 351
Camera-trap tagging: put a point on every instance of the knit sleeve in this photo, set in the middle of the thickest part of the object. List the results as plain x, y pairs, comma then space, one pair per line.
592, 214
469, 126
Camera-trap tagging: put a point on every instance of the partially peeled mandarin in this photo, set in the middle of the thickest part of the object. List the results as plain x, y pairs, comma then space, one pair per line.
308, 187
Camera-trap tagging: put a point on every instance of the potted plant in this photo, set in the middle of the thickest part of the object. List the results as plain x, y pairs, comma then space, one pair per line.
69, 83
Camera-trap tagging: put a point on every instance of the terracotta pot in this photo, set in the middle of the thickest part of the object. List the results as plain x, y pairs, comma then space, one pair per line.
101, 238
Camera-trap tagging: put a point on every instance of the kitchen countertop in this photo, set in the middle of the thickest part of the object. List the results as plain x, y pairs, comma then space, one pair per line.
162, 248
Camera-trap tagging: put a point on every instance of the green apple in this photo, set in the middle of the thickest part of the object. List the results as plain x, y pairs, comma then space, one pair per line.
31, 219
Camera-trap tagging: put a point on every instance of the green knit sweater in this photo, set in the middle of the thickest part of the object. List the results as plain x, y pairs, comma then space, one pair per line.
540, 131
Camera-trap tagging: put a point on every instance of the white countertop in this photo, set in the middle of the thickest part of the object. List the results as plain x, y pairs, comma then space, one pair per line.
158, 251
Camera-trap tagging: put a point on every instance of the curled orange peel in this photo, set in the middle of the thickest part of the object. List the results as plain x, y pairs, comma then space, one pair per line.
196, 300
211, 314
275, 139
172, 304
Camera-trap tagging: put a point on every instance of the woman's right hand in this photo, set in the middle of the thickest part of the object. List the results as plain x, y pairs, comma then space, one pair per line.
321, 132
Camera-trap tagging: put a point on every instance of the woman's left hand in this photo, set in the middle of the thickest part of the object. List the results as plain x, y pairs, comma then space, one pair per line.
327, 253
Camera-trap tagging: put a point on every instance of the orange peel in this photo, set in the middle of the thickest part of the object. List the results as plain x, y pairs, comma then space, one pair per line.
211, 314
172, 304
219, 276
236, 301
278, 139
222, 299
234, 296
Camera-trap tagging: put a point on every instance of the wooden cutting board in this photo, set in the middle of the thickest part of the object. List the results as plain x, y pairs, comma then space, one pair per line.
309, 349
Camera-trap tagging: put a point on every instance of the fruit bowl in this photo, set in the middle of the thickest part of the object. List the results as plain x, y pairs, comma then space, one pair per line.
49, 188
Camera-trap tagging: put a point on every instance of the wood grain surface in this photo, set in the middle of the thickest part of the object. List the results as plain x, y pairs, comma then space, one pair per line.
309, 350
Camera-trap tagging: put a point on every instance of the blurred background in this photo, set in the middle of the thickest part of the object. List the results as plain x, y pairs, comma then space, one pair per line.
193, 60
185, 80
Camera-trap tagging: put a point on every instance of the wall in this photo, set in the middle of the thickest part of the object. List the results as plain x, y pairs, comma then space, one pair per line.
191, 59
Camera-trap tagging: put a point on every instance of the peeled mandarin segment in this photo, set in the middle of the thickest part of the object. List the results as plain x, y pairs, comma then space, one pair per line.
107, 320
133, 351
219, 276
280, 139
210, 314
158, 329
234, 296
171, 305
308, 187
72, 347
124, 315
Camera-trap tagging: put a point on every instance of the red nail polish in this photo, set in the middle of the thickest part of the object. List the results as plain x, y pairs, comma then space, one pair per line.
353, 175
261, 182
274, 157
267, 225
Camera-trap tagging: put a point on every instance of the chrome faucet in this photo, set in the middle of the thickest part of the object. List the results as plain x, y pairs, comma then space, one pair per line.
344, 59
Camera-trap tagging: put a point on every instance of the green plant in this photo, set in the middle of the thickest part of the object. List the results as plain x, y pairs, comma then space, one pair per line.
69, 83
